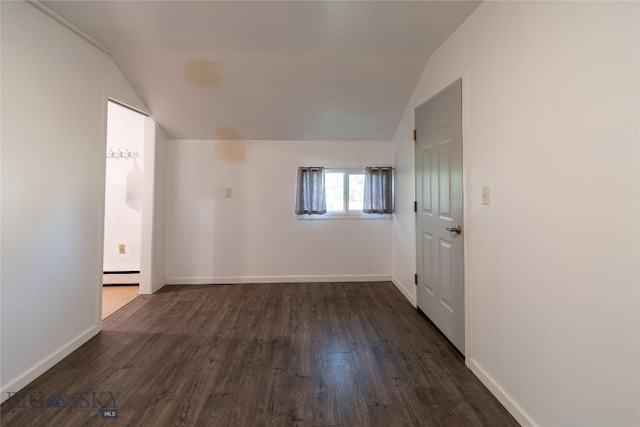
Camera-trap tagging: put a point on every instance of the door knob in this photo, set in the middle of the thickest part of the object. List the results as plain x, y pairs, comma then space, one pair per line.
456, 229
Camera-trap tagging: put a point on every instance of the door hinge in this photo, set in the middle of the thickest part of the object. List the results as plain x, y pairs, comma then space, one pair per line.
415, 135
415, 206
415, 279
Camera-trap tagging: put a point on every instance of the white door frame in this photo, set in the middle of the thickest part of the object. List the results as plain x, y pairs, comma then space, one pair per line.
466, 214
148, 197
146, 255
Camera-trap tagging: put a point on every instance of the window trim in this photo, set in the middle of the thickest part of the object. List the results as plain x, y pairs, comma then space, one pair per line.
353, 215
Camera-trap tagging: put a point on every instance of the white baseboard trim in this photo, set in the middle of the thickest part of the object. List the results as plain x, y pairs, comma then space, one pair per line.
47, 363
404, 291
121, 279
276, 279
158, 285
507, 401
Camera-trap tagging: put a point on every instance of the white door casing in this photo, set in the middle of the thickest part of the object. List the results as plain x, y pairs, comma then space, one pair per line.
439, 196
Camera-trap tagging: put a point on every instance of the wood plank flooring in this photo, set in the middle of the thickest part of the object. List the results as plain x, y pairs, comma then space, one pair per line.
298, 354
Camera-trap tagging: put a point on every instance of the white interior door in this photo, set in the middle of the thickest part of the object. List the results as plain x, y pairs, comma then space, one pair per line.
439, 193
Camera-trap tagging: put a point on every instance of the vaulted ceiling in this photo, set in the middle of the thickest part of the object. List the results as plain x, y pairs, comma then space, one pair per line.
271, 70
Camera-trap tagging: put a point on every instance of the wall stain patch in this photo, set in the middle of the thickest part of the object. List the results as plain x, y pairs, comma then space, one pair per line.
230, 148
204, 74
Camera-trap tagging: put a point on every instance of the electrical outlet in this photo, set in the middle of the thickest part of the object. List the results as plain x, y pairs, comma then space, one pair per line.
122, 248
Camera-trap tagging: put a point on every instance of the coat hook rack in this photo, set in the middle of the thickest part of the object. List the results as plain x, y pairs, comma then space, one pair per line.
119, 154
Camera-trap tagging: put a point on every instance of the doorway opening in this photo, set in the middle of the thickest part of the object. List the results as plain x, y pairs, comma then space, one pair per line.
124, 183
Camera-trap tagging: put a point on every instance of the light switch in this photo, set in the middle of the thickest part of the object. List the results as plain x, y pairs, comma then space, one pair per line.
485, 195
228, 192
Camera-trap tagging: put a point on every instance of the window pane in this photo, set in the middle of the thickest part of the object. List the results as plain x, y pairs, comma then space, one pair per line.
334, 184
356, 192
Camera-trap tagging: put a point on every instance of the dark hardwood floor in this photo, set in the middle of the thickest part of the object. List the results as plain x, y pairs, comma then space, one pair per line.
305, 354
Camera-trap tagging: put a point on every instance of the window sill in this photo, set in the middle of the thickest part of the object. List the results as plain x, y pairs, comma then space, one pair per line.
357, 215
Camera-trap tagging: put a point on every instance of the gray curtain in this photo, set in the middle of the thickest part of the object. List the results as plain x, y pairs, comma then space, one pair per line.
378, 190
310, 195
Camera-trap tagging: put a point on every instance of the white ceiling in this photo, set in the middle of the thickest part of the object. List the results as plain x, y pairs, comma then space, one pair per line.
271, 70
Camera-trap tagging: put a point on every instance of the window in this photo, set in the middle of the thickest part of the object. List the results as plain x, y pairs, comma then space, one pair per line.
344, 193
344, 190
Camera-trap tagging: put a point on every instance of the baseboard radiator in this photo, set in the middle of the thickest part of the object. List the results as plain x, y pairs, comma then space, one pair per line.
130, 277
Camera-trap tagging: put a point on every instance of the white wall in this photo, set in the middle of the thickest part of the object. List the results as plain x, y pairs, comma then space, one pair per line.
551, 125
254, 236
54, 107
123, 189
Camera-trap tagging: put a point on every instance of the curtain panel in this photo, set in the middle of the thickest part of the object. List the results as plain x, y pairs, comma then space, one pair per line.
310, 194
378, 190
